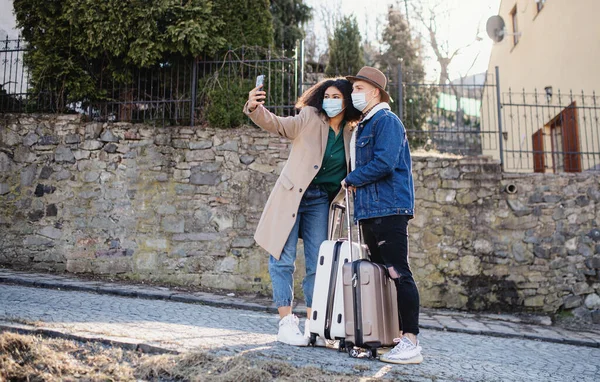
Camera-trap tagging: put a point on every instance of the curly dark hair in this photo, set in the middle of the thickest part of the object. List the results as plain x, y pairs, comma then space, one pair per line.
314, 97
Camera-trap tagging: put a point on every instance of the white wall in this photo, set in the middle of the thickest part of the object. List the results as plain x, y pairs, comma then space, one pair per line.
7, 19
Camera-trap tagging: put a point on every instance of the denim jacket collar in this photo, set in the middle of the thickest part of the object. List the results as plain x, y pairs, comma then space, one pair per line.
379, 106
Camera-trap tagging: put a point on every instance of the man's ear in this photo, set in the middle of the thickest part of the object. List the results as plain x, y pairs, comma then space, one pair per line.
378, 94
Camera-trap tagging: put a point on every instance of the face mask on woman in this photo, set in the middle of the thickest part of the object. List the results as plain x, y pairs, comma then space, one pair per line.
359, 100
332, 106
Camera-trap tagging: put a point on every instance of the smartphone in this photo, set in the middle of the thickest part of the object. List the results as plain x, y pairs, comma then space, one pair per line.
260, 80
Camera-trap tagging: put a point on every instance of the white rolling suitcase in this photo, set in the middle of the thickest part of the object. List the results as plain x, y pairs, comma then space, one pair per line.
327, 317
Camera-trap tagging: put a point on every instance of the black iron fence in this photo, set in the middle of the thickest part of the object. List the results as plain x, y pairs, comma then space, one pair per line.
446, 117
15, 77
541, 131
550, 131
182, 92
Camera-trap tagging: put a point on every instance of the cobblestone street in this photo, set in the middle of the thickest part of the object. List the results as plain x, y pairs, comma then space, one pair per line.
183, 327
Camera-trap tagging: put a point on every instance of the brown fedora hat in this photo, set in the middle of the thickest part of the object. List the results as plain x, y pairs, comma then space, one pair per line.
373, 76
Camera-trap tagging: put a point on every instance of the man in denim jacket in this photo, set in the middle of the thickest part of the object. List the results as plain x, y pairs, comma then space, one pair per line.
382, 179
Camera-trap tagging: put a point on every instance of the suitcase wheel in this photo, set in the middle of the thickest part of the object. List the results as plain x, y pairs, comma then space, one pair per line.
352, 352
313, 339
374, 353
342, 345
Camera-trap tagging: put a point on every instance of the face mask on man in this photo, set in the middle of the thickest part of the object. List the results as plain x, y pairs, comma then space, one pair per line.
359, 100
332, 106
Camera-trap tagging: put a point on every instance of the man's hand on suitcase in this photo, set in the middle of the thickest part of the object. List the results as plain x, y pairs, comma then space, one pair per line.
350, 188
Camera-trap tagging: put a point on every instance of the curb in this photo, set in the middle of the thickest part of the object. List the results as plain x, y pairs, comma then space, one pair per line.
141, 292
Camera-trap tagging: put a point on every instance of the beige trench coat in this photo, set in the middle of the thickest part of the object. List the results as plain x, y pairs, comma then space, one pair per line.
308, 132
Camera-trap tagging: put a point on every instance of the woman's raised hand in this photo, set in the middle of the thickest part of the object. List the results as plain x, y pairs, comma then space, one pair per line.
256, 97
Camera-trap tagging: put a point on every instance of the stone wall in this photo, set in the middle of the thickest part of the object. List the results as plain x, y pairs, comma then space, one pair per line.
180, 205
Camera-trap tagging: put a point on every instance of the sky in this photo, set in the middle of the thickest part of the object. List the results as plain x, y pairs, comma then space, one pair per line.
459, 26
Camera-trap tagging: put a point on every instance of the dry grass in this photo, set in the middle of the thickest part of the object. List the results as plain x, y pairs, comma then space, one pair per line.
35, 358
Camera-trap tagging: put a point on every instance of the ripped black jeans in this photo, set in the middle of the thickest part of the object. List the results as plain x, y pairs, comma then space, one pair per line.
387, 239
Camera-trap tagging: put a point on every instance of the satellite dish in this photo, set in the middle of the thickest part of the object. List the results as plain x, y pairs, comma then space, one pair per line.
495, 28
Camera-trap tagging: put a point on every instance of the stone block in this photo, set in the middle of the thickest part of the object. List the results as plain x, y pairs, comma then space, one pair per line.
200, 145
445, 196
518, 207
450, 173
208, 179
4, 188
227, 265
247, 159
6, 164
9, 137
91, 176
592, 301
72, 139
108, 136
110, 148
466, 198
242, 242
570, 302
112, 266
62, 175
156, 243
483, 246
583, 314
37, 241
207, 167
146, 262
91, 145
93, 130
79, 266
180, 143
48, 140
594, 234
470, 265
596, 316
23, 154
173, 224
50, 232
534, 301
199, 155
593, 263
28, 175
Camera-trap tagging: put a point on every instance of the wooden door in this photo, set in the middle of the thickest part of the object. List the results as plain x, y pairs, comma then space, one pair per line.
570, 133
539, 163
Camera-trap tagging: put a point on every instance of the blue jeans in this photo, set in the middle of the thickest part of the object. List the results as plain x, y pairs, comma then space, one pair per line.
311, 225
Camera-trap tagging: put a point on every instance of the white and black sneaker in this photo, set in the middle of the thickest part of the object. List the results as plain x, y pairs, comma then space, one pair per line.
404, 353
289, 333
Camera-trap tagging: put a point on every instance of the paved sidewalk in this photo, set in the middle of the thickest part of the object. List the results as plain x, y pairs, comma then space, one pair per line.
499, 325
97, 311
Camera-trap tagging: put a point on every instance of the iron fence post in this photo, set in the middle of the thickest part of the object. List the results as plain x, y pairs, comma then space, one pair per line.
400, 92
194, 86
499, 105
300, 67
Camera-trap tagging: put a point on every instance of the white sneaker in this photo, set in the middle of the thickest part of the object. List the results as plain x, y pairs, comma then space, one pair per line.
319, 342
404, 353
289, 333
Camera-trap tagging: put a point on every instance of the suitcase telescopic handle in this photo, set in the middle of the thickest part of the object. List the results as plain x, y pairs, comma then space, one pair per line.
349, 227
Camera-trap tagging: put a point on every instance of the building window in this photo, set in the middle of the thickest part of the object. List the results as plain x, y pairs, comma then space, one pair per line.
540, 4
515, 27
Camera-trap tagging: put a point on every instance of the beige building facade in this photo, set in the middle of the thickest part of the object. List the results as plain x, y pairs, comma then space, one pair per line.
549, 82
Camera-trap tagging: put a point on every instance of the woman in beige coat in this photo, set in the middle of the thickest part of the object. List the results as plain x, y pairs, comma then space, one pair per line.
299, 203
